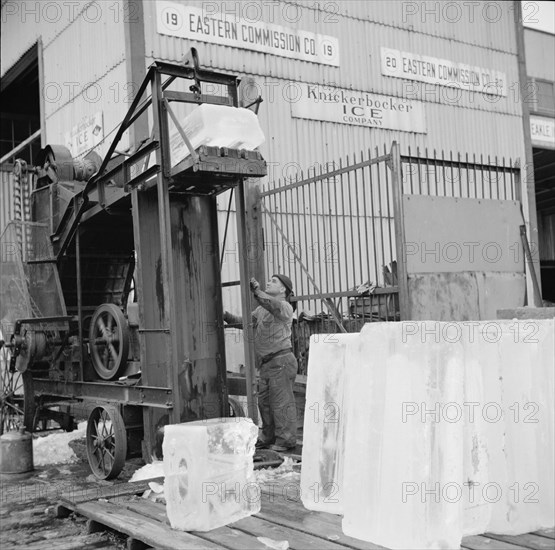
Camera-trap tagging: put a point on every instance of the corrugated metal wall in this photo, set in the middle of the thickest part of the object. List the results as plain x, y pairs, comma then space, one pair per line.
458, 120
83, 59
84, 36
96, 79
479, 23
112, 102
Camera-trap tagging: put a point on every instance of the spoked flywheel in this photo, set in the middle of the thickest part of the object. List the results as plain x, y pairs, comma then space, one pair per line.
106, 442
108, 341
17, 402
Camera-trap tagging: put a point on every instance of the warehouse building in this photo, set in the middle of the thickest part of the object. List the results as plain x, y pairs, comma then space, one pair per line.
339, 82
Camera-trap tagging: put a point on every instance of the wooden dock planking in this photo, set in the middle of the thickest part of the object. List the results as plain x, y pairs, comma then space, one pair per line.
84, 542
111, 492
139, 527
227, 536
293, 514
548, 533
481, 542
244, 532
282, 517
298, 540
529, 540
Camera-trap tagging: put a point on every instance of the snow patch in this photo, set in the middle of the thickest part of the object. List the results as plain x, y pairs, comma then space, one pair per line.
55, 449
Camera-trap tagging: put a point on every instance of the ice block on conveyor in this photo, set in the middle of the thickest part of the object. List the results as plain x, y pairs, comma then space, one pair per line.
216, 126
324, 423
403, 462
209, 478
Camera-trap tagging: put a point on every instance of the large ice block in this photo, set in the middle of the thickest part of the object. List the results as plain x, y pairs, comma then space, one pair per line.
217, 126
520, 424
479, 457
324, 423
449, 430
403, 464
209, 478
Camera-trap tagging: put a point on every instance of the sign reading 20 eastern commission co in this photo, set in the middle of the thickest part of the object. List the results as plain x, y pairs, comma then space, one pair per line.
197, 24
442, 72
330, 104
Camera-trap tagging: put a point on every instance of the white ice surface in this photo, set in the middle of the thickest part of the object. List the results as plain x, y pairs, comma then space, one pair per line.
55, 449
209, 479
324, 422
443, 437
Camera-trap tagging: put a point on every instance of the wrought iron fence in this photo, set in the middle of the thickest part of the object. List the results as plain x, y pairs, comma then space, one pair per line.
333, 230
460, 176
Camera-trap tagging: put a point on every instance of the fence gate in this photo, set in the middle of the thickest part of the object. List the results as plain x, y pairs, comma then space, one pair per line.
464, 236
333, 232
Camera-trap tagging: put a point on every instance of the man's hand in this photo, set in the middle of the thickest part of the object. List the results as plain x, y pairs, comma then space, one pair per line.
254, 284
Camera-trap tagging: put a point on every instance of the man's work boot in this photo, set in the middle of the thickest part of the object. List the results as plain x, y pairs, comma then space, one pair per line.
282, 448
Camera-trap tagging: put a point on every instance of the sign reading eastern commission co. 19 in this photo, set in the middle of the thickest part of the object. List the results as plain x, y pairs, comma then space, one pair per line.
442, 72
199, 24
320, 102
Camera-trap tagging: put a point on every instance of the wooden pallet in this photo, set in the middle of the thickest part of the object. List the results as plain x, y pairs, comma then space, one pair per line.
282, 517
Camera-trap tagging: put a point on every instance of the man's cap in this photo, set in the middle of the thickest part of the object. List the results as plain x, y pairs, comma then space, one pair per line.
286, 281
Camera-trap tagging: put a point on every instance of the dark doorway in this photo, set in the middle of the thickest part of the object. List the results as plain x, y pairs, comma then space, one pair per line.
544, 177
20, 107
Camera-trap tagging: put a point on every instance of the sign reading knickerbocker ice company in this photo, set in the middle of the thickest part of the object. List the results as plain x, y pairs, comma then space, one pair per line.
331, 104
86, 135
199, 24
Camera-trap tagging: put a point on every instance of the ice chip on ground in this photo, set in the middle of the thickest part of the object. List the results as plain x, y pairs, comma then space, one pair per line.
324, 423
209, 475
55, 449
275, 544
148, 471
156, 487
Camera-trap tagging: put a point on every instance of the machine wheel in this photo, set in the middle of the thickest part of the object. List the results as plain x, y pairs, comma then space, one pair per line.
108, 341
17, 402
235, 408
106, 442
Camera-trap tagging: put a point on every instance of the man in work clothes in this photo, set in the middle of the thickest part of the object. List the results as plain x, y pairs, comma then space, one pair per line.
277, 366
